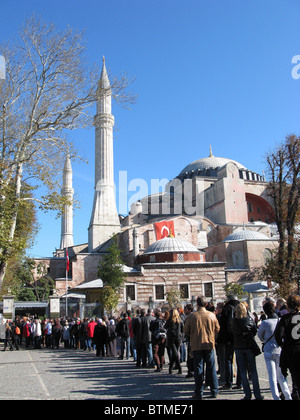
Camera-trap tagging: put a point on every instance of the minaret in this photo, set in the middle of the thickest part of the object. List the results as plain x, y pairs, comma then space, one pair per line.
67, 217
104, 220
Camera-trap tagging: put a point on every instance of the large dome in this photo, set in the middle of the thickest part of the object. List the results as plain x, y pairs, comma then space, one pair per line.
171, 245
246, 235
207, 166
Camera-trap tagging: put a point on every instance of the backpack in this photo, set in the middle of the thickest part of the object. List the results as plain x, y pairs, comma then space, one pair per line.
18, 332
230, 317
158, 330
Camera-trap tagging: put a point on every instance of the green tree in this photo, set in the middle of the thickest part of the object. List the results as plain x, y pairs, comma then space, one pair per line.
48, 90
173, 297
111, 273
12, 251
109, 299
27, 287
235, 289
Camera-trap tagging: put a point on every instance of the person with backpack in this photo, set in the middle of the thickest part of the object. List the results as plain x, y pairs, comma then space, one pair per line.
287, 335
18, 327
225, 339
158, 331
16, 334
123, 332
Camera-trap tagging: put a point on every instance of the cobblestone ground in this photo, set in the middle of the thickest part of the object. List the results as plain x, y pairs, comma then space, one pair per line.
69, 374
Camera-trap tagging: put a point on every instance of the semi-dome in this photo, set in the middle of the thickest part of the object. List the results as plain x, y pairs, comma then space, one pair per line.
171, 245
246, 235
208, 166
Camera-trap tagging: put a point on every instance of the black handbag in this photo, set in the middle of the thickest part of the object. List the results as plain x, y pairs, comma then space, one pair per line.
254, 347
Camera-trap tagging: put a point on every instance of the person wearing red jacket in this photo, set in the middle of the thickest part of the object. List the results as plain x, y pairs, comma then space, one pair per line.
90, 333
26, 333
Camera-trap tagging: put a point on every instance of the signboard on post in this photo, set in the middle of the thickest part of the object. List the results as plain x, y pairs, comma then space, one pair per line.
9, 307
54, 306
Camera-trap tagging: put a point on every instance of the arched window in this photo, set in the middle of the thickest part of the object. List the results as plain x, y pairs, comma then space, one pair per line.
267, 255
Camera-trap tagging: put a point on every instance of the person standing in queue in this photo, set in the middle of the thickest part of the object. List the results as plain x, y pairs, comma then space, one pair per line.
202, 328
287, 335
174, 327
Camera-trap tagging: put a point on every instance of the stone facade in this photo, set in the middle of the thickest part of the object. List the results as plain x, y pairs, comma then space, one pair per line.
211, 199
154, 280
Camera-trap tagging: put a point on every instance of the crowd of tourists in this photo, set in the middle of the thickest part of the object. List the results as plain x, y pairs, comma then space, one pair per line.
211, 341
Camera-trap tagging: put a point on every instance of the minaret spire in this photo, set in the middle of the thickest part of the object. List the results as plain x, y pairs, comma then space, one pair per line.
104, 220
67, 217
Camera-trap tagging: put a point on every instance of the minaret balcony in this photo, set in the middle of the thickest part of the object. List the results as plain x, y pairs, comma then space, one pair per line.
104, 120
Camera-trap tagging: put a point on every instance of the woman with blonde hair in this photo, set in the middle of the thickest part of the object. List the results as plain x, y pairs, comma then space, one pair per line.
244, 330
174, 327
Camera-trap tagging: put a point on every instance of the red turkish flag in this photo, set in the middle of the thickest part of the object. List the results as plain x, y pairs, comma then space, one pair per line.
67, 260
164, 229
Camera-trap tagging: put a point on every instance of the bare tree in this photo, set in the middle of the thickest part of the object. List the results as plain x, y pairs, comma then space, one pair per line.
48, 90
284, 189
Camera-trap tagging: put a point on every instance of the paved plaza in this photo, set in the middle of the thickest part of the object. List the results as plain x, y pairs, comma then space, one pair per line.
68, 374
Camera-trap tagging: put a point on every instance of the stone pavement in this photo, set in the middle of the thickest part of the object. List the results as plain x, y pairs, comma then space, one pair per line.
68, 374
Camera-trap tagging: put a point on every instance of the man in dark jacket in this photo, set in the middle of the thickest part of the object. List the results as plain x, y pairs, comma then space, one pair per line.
147, 352
225, 338
287, 335
137, 335
123, 332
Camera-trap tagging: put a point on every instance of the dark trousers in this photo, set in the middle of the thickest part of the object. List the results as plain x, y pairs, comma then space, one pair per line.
125, 342
37, 341
8, 342
229, 350
100, 349
294, 367
139, 352
48, 340
174, 346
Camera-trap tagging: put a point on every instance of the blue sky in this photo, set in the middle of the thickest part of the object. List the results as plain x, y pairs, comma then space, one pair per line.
213, 72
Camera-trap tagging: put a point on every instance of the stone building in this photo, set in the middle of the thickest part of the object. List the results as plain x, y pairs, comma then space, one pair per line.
211, 226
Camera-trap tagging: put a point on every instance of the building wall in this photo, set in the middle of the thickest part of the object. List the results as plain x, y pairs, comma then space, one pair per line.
242, 256
195, 275
185, 228
84, 267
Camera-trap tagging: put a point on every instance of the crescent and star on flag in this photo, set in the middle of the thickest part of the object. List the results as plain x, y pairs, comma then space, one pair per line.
164, 229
